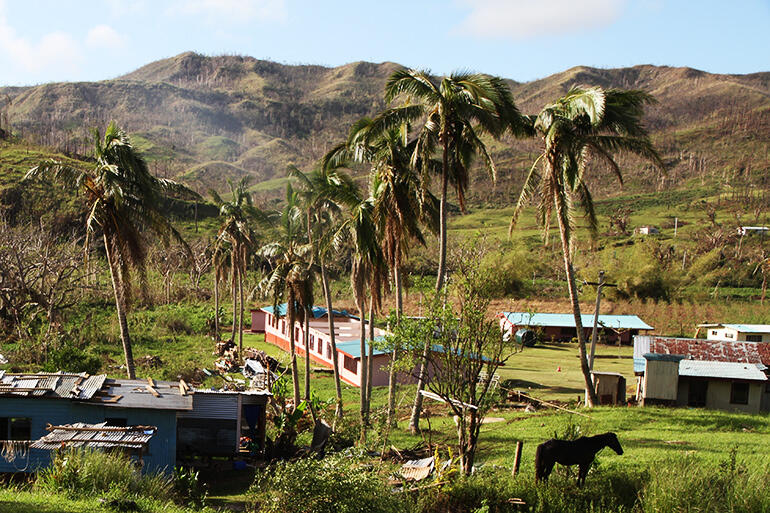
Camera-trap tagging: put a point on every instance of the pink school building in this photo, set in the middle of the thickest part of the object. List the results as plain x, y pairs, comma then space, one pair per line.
346, 336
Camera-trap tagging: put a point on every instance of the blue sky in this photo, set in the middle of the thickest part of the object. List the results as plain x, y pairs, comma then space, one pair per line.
55, 40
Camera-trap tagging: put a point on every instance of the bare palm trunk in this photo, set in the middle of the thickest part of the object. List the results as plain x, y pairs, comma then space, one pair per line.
392, 374
293, 348
569, 270
362, 347
234, 292
414, 421
240, 316
120, 306
335, 357
370, 360
216, 305
306, 336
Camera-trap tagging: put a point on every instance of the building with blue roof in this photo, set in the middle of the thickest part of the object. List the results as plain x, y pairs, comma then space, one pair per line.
561, 326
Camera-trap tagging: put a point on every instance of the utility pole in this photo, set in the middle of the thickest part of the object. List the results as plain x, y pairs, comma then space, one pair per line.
599, 285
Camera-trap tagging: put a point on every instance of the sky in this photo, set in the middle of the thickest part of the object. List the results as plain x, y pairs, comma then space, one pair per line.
84, 40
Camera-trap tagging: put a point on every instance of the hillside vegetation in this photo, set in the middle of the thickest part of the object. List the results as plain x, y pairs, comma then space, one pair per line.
192, 114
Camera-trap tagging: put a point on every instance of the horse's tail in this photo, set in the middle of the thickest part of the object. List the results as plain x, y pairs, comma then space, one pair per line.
539, 463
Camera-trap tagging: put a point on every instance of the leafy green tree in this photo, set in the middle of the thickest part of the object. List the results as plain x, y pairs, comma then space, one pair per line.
455, 112
238, 216
123, 201
586, 125
290, 278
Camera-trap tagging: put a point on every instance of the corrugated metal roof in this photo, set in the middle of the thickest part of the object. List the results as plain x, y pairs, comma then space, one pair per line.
709, 350
95, 436
52, 385
353, 347
135, 394
318, 311
627, 322
722, 370
749, 328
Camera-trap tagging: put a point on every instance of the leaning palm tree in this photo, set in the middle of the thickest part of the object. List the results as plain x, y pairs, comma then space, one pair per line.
324, 193
588, 124
456, 111
238, 216
123, 200
290, 279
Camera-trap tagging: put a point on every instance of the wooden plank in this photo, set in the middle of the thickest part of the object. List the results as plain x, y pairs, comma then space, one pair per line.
113, 399
182, 391
185, 385
151, 390
151, 382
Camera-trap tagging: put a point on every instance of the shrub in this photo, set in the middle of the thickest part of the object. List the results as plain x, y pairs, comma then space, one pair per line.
336, 484
88, 473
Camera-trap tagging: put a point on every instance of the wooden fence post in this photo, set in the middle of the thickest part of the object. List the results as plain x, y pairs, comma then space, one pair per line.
517, 458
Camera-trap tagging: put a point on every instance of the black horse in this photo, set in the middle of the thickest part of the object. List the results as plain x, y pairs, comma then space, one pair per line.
576, 452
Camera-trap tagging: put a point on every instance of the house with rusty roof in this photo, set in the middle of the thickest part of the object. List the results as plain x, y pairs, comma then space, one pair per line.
211, 422
703, 373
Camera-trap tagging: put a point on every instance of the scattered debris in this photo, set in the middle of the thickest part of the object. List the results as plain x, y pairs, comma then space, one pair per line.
321, 433
417, 470
401, 455
3, 360
150, 362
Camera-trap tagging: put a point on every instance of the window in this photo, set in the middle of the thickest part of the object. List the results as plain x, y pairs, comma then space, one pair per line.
753, 338
15, 428
714, 333
350, 364
329, 350
312, 343
283, 327
729, 335
739, 393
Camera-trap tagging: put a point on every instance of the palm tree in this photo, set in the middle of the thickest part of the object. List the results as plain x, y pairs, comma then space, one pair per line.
220, 259
587, 124
290, 279
366, 274
456, 111
323, 194
400, 199
123, 200
238, 215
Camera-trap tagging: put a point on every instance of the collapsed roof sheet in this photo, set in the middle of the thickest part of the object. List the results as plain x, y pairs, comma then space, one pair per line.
53, 385
95, 436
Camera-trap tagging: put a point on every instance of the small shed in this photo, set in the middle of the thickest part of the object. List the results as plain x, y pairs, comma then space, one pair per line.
661, 378
610, 387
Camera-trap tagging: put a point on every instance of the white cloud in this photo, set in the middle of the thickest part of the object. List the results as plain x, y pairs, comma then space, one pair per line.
523, 19
53, 51
104, 36
240, 11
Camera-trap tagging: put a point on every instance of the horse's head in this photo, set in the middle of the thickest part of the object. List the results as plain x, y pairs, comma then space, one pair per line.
613, 442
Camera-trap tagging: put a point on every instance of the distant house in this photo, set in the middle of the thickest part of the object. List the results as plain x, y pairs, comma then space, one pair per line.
178, 413
561, 327
702, 373
736, 332
647, 230
347, 328
752, 230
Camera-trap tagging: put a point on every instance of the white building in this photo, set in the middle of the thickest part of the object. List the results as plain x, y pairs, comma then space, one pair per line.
737, 332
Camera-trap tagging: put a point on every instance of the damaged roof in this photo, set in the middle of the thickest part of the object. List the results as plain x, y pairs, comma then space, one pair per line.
59, 385
700, 349
120, 393
95, 436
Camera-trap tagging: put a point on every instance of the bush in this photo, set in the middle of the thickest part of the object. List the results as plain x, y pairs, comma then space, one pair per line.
336, 484
89, 473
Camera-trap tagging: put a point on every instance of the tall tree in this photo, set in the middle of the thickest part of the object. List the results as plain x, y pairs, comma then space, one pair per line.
238, 216
401, 200
324, 192
588, 124
123, 200
456, 111
290, 278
